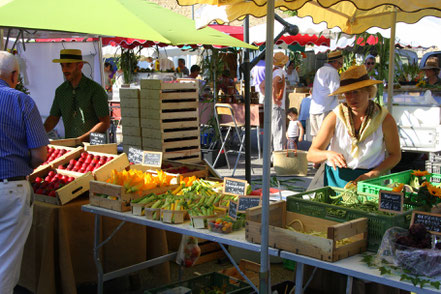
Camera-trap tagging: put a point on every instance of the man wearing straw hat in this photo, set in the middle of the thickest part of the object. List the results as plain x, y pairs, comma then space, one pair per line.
81, 102
431, 71
326, 81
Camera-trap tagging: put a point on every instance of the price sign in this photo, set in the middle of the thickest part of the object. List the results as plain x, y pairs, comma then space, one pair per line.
431, 221
390, 201
135, 155
232, 210
98, 138
235, 186
246, 202
152, 158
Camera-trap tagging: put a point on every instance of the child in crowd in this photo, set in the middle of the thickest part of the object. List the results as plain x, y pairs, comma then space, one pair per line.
295, 130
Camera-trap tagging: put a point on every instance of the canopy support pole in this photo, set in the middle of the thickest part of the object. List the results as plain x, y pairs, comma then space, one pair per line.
390, 79
265, 283
246, 64
2, 41
100, 55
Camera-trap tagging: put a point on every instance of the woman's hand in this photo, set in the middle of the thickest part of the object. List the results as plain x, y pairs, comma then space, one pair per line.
336, 159
369, 175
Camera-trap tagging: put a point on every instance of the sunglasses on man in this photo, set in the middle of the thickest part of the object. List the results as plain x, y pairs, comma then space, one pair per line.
370, 63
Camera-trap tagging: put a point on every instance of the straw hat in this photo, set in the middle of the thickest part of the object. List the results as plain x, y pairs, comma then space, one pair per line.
431, 63
70, 56
334, 55
354, 78
280, 59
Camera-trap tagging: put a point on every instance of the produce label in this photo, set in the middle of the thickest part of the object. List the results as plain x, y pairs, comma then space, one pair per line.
232, 210
246, 202
98, 138
390, 201
431, 221
135, 155
152, 158
235, 186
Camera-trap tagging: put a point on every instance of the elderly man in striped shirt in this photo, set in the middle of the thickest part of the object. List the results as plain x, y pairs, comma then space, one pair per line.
23, 143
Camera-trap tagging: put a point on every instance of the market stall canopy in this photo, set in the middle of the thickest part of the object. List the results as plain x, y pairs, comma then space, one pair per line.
136, 19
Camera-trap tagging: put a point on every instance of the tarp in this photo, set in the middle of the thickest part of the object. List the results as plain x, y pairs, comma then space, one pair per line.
136, 19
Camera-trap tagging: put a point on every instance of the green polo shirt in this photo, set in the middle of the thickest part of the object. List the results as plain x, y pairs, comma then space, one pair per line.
80, 108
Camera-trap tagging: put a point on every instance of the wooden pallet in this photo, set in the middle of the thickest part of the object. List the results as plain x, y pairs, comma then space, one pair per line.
170, 119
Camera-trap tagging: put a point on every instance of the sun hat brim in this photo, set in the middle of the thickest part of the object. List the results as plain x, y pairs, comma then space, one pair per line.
355, 86
430, 67
68, 61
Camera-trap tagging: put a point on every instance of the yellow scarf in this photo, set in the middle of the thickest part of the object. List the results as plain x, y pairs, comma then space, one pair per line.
375, 115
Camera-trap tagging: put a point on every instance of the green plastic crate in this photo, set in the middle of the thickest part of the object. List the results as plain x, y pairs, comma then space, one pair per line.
204, 283
373, 186
289, 264
377, 223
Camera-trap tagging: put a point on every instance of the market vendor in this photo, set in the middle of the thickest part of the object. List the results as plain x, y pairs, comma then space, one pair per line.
431, 71
81, 102
359, 139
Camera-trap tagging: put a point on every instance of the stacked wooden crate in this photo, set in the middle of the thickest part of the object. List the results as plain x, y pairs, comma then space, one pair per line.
170, 119
130, 118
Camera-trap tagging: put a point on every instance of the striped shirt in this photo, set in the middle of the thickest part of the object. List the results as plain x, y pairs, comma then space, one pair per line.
81, 107
21, 129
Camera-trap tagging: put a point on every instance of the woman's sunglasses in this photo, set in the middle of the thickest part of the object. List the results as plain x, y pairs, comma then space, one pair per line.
370, 63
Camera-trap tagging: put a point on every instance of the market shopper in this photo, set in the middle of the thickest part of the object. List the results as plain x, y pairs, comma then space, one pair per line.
182, 68
326, 81
23, 148
369, 63
292, 76
195, 70
258, 75
80, 101
362, 136
431, 71
278, 118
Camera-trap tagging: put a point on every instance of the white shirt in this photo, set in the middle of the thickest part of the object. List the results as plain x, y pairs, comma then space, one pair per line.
326, 81
293, 129
293, 78
280, 72
372, 151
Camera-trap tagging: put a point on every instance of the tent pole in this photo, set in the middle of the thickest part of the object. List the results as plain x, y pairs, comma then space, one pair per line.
265, 283
390, 80
246, 39
2, 42
100, 54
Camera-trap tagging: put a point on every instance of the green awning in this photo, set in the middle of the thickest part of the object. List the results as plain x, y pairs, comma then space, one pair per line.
138, 19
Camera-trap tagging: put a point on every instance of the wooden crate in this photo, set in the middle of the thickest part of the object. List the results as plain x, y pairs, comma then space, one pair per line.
53, 163
71, 142
314, 246
170, 119
130, 122
200, 171
66, 193
209, 251
122, 202
131, 131
110, 148
119, 162
249, 268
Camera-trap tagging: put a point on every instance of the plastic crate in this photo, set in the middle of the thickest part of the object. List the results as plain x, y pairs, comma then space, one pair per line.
377, 223
373, 186
289, 264
204, 283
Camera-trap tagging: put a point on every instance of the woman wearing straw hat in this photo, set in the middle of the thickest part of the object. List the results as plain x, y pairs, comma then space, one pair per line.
362, 136
431, 70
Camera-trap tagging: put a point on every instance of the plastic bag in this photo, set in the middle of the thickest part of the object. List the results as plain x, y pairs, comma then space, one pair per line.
188, 252
426, 262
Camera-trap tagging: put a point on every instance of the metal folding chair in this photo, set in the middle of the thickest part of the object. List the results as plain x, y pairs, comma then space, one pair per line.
225, 112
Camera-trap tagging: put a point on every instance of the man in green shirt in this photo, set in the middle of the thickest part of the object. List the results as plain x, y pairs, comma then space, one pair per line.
81, 102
